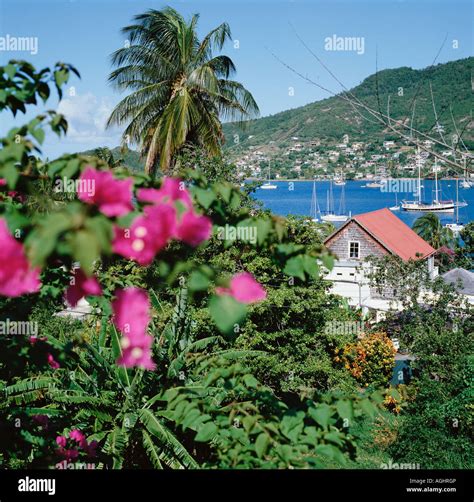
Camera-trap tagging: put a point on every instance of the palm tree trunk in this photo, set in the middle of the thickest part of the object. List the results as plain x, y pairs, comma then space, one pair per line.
150, 163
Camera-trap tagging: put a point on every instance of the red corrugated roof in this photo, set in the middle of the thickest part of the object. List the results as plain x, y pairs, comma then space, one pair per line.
392, 233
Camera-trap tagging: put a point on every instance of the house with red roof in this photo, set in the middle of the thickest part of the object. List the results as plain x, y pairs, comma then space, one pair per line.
377, 233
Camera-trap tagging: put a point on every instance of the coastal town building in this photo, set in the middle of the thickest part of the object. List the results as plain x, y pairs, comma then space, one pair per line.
376, 233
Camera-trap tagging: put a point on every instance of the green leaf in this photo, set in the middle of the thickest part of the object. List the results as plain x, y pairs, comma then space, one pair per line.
264, 226
368, 407
86, 249
310, 266
322, 414
295, 267
261, 444
292, 425
10, 173
42, 241
344, 408
198, 281
61, 77
226, 312
204, 197
328, 261
10, 70
38, 134
225, 189
206, 432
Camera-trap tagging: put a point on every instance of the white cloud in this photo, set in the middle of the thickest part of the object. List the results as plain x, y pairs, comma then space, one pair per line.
87, 115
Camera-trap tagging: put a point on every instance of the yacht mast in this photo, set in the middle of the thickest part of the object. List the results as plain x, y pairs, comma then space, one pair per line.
418, 161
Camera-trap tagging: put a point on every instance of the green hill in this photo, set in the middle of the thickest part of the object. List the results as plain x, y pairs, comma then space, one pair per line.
128, 158
331, 118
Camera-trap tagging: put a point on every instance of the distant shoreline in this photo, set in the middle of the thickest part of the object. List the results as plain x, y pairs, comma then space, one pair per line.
347, 181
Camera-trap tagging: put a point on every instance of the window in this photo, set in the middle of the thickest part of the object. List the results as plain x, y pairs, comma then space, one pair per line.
353, 249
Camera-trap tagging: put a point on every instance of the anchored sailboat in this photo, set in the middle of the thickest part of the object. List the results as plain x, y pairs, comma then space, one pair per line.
330, 214
438, 206
456, 227
315, 212
396, 207
268, 185
339, 179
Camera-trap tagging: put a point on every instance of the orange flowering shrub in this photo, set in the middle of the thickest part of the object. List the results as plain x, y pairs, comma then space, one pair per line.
370, 360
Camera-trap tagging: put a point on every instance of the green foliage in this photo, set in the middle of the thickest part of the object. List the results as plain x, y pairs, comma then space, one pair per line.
429, 228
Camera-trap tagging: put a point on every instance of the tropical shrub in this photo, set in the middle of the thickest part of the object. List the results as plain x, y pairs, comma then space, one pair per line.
370, 359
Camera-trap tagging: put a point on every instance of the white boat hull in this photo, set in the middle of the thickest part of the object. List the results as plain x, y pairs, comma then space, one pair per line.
374, 185
268, 187
431, 208
334, 217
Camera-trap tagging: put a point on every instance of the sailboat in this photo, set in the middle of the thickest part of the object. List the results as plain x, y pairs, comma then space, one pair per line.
268, 185
315, 212
339, 179
396, 207
377, 183
330, 215
456, 227
438, 206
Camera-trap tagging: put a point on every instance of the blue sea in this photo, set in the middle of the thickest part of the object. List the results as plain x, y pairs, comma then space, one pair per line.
295, 198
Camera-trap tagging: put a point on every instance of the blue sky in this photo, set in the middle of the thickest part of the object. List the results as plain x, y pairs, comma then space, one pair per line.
86, 32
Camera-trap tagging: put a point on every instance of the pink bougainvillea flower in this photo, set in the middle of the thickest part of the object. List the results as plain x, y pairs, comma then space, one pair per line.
193, 228
77, 436
131, 316
244, 288
61, 441
3, 182
171, 190
131, 309
137, 352
42, 420
113, 197
81, 286
16, 275
52, 362
148, 234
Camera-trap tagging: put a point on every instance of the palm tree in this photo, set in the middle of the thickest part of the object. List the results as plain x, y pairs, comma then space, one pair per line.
430, 228
179, 90
106, 154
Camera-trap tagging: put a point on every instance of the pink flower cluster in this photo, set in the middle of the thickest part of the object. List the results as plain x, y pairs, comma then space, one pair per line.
131, 309
113, 197
160, 222
17, 277
77, 443
244, 288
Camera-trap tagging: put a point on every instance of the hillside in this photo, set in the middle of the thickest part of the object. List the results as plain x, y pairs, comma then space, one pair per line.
130, 158
331, 118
